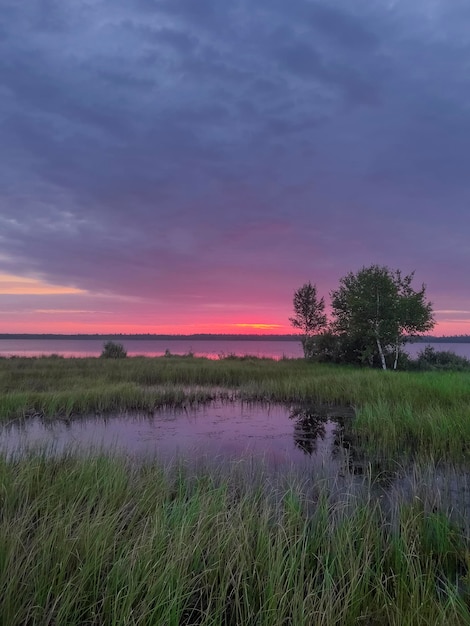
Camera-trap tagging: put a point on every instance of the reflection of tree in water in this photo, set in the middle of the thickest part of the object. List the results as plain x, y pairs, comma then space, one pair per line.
309, 426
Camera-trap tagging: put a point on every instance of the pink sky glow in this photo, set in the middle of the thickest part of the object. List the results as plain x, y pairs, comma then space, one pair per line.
36, 306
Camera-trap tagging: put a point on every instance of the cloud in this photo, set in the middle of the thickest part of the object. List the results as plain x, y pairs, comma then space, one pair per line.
17, 285
166, 149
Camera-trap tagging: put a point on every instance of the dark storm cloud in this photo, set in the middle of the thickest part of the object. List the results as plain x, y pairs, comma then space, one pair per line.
146, 142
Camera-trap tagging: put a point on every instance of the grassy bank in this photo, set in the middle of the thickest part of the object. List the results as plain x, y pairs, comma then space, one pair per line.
97, 541
396, 412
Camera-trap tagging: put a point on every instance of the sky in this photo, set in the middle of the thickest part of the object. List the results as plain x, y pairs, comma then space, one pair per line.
183, 166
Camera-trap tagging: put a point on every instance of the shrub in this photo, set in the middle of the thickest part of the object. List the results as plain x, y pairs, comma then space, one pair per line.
113, 350
431, 359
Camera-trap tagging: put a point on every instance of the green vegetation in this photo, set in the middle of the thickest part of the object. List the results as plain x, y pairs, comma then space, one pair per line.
112, 350
309, 316
432, 359
375, 312
99, 541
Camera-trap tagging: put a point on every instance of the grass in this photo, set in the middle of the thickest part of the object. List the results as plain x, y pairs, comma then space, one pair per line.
397, 412
98, 541
93, 539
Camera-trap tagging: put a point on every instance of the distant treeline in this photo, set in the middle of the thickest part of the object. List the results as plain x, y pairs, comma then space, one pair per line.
452, 339
209, 337
201, 336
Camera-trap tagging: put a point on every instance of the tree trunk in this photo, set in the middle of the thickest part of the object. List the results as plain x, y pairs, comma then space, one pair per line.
381, 352
377, 324
395, 363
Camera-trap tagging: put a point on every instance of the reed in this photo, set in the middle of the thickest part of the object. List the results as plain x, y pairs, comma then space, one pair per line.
99, 541
285, 380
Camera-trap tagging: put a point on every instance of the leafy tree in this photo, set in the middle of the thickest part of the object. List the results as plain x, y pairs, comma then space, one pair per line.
377, 310
309, 316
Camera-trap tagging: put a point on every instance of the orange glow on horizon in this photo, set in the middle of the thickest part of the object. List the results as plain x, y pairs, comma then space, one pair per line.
259, 326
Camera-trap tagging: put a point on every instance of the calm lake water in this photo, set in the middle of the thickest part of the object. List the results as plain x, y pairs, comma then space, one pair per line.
211, 348
276, 434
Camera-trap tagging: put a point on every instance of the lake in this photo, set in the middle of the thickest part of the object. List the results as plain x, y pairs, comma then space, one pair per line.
210, 348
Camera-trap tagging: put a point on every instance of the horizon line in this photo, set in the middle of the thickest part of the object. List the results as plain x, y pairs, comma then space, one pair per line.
190, 336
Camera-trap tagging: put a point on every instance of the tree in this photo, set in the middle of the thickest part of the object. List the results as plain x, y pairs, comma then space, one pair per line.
309, 315
377, 310
415, 314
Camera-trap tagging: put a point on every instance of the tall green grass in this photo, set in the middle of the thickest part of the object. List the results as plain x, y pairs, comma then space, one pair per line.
287, 380
98, 541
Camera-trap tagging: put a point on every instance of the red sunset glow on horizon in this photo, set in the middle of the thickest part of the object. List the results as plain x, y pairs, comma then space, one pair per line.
75, 327
134, 316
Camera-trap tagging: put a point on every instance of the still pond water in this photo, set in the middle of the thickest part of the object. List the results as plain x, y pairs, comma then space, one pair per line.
210, 348
277, 435
310, 442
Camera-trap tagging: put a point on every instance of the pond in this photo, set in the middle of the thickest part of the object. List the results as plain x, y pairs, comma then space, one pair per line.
311, 442
277, 434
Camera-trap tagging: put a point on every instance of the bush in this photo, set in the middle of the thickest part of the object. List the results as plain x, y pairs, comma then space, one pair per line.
113, 350
431, 359
345, 350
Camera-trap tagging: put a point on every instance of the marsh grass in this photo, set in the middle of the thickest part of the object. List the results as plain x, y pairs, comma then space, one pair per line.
99, 541
406, 413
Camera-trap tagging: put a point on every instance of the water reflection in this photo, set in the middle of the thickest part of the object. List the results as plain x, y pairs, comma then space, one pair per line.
308, 428
231, 430
315, 424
